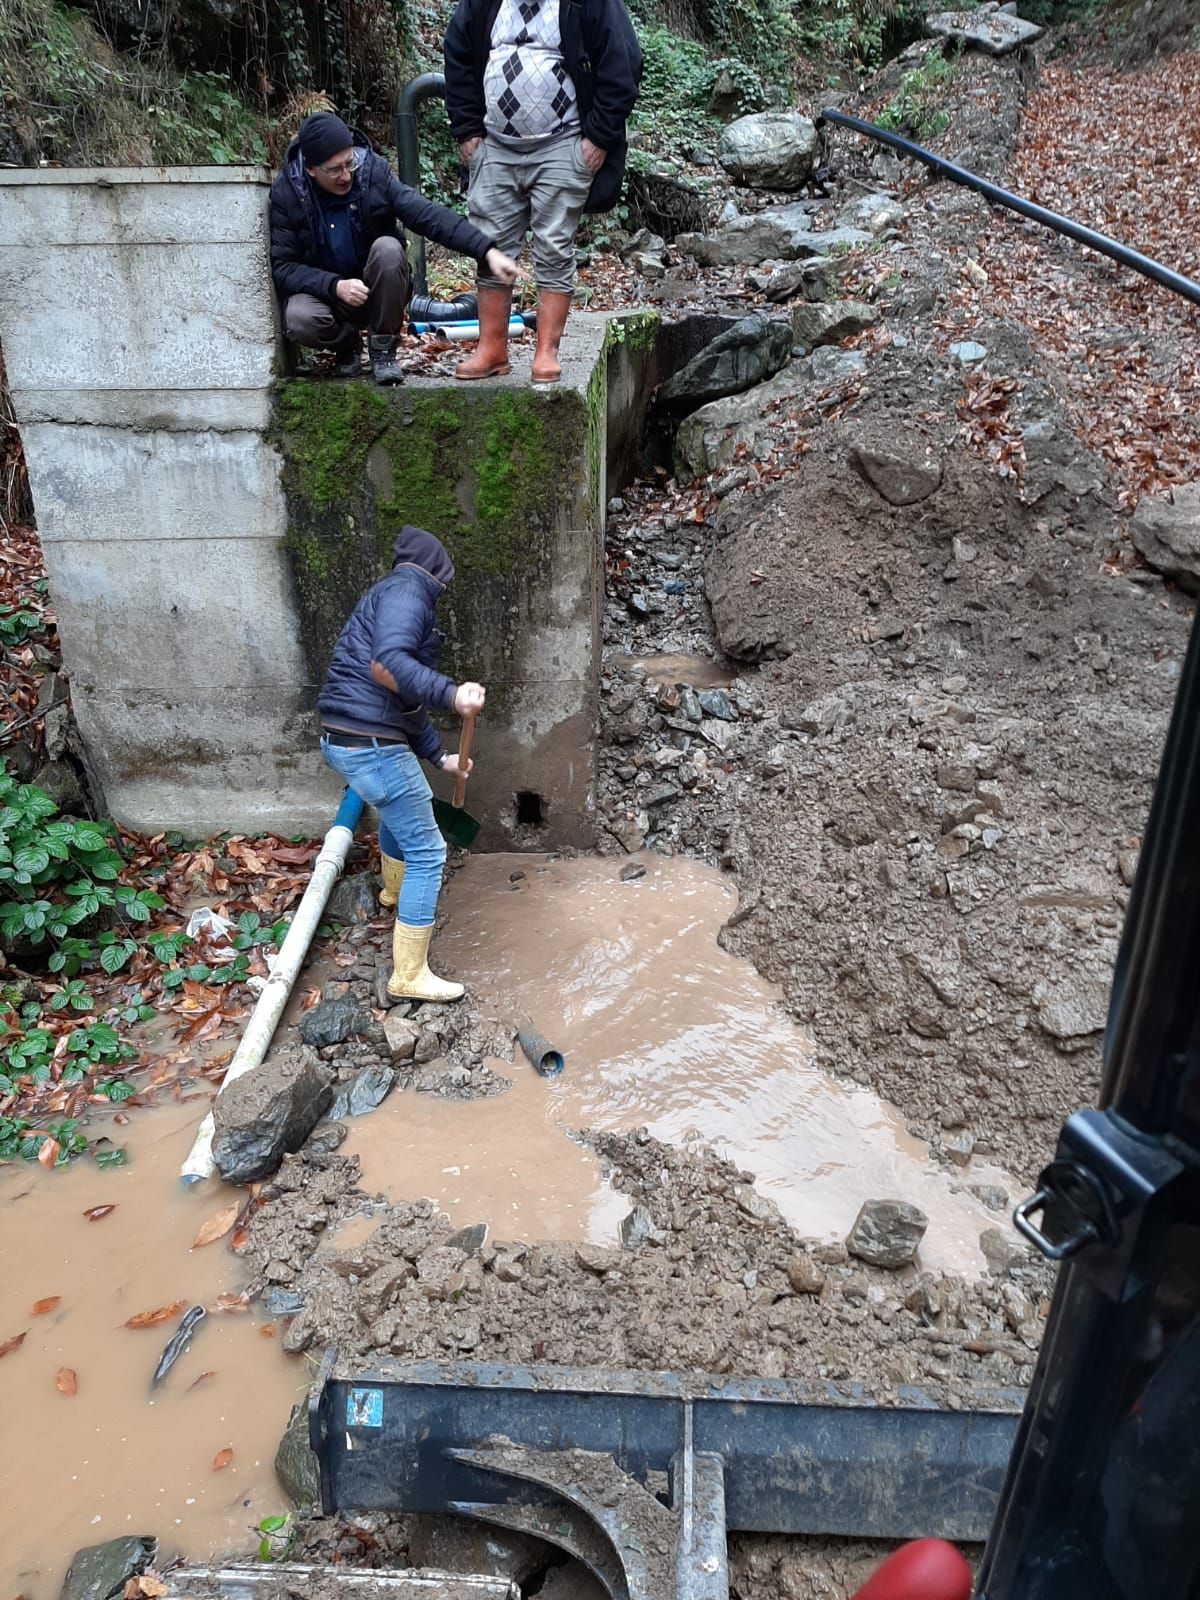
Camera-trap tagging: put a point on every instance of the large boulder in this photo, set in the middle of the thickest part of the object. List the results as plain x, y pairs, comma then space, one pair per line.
989, 29
769, 150
750, 352
267, 1114
1166, 529
711, 437
814, 324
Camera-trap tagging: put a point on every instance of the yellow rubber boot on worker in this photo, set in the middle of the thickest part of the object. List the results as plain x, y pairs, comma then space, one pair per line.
392, 873
491, 353
552, 311
411, 978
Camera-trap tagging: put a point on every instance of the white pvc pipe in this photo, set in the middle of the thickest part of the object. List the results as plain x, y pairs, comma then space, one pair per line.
278, 987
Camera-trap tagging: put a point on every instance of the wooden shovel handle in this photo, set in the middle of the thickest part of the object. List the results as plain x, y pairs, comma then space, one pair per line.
464, 751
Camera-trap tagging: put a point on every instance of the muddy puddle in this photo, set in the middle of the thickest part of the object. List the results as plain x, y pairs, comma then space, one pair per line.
659, 1028
698, 672
111, 1458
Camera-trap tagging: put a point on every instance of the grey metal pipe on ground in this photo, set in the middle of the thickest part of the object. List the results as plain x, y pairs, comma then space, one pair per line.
411, 97
540, 1053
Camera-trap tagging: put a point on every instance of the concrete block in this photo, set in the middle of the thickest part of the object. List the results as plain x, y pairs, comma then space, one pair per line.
103, 484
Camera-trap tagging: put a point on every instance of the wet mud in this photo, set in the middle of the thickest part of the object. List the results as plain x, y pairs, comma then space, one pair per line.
660, 1029
114, 1457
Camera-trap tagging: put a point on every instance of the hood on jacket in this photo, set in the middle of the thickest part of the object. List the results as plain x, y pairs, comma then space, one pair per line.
416, 548
293, 161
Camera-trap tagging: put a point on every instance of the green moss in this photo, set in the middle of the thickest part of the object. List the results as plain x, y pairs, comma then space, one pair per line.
329, 428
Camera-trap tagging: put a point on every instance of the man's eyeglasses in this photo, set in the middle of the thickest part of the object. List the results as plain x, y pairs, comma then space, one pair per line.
343, 169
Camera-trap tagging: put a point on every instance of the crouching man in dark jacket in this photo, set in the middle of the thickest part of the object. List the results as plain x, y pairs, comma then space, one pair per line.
337, 245
376, 732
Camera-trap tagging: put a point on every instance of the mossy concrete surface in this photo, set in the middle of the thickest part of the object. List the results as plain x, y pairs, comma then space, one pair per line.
512, 480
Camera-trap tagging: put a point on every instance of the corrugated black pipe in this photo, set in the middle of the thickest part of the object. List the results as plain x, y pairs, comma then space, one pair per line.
411, 97
1175, 281
425, 308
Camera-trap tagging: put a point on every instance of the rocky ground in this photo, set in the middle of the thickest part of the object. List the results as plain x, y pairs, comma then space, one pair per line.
943, 679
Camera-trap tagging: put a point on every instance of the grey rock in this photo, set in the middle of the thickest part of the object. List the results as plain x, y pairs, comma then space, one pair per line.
804, 1275
1001, 1251
401, 1036
1166, 530
658, 794
267, 1114
710, 437
769, 150
333, 1022
716, 703
726, 95
353, 900
902, 477
832, 242
1127, 862
1072, 1008
101, 1570
327, 1137
295, 1465
362, 1093
280, 1302
831, 365
689, 703
468, 1240
642, 240
813, 279
1055, 460
814, 324
747, 354
886, 1233
631, 873
638, 1229
874, 212
62, 783
996, 33
968, 352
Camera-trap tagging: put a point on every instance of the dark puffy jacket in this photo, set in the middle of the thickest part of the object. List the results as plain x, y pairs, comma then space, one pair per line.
393, 624
385, 203
601, 53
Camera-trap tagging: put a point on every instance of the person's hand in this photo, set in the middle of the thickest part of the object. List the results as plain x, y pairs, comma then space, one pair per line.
469, 698
450, 765
500, 266
352, 291
467, 148
593, 157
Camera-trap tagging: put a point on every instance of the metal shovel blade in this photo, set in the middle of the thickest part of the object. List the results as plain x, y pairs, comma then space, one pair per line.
458, 827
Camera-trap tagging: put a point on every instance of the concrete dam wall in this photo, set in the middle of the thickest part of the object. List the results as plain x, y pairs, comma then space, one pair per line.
208, 523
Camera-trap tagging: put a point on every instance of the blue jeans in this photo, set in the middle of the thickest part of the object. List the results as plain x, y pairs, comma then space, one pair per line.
389, 777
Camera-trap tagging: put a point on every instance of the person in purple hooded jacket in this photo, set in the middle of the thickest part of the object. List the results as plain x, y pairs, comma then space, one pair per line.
376, 732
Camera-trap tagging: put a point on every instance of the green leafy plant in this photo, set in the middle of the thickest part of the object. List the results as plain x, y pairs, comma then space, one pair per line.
278, 1537
914, 109
18, 624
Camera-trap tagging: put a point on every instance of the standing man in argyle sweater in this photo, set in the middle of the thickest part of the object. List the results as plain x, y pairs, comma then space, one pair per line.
538, 93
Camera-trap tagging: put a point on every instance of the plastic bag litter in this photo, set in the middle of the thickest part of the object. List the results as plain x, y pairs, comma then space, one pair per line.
204, 920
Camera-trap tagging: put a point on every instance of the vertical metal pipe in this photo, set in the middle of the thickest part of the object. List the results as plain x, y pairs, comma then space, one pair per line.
412, 96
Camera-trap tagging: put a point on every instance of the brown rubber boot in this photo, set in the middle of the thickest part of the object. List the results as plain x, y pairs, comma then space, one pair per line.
552, 312
491, 353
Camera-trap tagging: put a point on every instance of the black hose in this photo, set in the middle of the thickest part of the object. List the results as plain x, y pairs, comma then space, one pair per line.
425, 308
1168, 279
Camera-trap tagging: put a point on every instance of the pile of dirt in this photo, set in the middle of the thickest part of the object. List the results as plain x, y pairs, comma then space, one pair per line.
708, 1279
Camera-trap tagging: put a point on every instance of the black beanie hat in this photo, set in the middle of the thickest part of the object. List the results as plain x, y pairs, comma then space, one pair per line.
322, 135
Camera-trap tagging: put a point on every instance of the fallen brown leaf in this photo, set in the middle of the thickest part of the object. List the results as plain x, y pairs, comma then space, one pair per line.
40, 1307
196, 1382
65, 1381
229, 1302
217, 1226
267, 1331
48, 1152
222, 1458
152, 1319
15, 1343
94, 1213
145, 1586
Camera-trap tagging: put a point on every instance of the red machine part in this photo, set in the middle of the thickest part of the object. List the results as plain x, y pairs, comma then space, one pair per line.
927, 1569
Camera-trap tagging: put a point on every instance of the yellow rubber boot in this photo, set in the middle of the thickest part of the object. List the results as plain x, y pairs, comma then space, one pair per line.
392, 873
411, 978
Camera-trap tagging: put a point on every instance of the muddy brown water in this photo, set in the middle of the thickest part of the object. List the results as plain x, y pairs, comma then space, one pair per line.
113, 1459
659, 1028
698, 672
